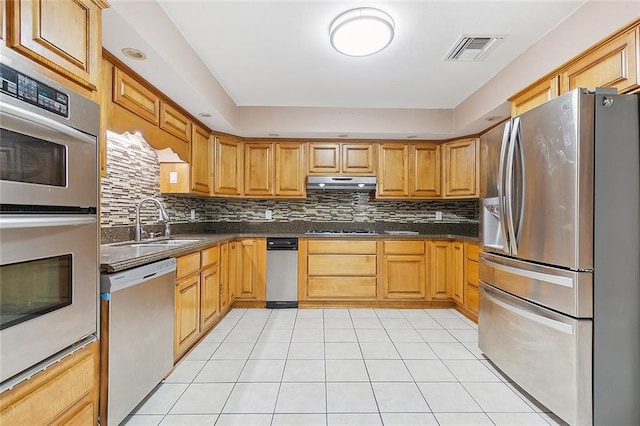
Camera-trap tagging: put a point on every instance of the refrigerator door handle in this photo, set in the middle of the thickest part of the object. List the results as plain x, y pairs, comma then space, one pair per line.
501, 184
513, 246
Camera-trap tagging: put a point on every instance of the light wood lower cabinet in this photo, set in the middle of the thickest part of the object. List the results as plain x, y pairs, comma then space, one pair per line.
337, 270
471, 276
457, 271
197, 297
251, 271
224, 277
187, 303
209, 287
65, 393
440, 269
404, 269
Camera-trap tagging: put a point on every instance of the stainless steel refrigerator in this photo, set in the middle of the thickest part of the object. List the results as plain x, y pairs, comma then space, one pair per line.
560, 264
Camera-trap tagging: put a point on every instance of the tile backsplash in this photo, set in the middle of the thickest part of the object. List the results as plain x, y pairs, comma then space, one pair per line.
133, 174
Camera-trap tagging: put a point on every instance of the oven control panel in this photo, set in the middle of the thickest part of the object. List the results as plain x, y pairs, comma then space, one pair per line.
27, 89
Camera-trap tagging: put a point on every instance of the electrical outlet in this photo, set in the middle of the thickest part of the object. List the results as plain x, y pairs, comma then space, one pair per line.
193, 214
173, 177
268, 214
438, 215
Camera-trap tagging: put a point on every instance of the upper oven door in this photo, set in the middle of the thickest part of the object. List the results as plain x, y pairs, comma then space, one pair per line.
45, 162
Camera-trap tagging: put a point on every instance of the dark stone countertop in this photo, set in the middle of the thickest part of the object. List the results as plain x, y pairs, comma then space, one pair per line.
120, 256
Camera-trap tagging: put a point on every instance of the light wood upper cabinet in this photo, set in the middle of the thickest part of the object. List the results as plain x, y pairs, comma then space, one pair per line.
535, 95
425, 170
324, 158
258, 169
460, 168
201, 161
393, 173
440, 269
174, 122
613, 64
252, 267
290, 170
129, 93
64, 36
341, 158
404, 270
358, 159
409, 170
228, 166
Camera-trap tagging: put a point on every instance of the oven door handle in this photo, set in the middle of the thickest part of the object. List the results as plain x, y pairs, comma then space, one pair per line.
44, 221
22, 114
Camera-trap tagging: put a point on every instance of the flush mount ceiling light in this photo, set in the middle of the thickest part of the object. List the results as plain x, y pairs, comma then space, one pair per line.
362, 31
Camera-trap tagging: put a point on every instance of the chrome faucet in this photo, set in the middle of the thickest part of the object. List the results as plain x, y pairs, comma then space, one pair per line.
163, 214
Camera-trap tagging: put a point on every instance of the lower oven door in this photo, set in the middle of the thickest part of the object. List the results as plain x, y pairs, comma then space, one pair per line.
547, 354
48, 287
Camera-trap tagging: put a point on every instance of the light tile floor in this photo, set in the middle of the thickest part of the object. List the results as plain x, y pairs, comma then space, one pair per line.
339, 367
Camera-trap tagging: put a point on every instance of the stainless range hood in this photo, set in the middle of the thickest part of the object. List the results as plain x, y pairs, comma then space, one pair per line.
341, 183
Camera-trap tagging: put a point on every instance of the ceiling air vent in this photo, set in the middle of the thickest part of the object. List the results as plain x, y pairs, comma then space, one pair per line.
472, 48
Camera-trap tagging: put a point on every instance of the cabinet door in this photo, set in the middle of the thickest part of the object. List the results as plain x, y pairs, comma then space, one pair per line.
174, 122
425, 165
535, 95
258, 172
614, 64
209, 296
358, 159
290, 170
460, 169
440, 264
404, 277
132, 95
393, 170
324, 158
64, 36
228, 166
187, 314
457, 270
224, 277
233, 271
252, 269
66, 392
201, 159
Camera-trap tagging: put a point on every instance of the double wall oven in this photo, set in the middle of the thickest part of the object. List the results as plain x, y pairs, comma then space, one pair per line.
48, 222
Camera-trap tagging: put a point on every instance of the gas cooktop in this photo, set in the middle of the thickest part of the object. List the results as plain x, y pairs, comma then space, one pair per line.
340, 232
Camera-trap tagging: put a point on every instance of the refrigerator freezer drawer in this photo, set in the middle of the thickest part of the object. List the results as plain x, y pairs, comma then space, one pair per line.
547, 354
565, 291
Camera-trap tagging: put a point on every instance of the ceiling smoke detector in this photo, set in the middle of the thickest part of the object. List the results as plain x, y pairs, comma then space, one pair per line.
361, 32
472, 47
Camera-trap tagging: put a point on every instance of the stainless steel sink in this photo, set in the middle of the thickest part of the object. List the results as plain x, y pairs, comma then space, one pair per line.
155, 243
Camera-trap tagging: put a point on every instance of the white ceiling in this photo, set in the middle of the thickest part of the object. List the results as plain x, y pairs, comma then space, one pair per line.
277, 54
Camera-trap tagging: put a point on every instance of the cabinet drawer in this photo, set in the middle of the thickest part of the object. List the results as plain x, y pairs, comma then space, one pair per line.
187, 264
209, 256
472, 272
471, 298
341, 287
404, 247
342, 265
342, 247
472, 251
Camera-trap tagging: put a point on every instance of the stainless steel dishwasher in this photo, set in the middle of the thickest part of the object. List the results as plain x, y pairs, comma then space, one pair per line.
137, 328
282, 273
